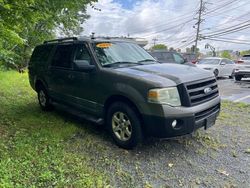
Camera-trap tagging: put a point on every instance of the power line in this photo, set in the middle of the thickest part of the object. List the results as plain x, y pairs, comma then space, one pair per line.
220, 40
228, 29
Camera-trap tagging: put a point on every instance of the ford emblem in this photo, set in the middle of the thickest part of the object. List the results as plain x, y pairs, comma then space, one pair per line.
207, 90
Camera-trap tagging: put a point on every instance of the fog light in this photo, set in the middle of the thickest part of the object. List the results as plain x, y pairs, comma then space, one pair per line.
174, 123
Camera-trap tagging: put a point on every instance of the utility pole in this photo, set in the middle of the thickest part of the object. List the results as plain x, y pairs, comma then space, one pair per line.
155, 39
198, 26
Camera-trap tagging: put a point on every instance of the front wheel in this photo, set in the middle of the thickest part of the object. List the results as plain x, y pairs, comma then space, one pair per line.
238, 78
216, 73
43, 99
124, 125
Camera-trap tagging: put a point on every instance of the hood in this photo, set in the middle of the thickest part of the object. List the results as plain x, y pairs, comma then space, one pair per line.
203, 66
171, 74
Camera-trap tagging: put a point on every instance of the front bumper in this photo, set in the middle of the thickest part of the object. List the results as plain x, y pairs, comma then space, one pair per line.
188, 119
244, 73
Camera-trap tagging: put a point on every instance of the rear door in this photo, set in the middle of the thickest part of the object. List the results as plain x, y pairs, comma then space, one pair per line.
230, 67
60, 73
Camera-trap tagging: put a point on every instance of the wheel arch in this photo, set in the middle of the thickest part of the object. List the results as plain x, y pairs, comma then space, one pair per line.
120, 98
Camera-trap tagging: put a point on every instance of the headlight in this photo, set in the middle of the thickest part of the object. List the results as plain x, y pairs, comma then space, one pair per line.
168, 96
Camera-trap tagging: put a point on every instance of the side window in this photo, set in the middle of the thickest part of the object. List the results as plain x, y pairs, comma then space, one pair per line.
41, 53
223, 61
82, 55
178, 59
62, 56
230, 62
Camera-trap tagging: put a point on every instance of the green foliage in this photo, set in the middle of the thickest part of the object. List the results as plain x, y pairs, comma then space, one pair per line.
160, 47
226, 54
33, 144
246, 52
26, 23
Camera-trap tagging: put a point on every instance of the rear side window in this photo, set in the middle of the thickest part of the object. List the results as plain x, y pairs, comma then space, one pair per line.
41, 53
63, 55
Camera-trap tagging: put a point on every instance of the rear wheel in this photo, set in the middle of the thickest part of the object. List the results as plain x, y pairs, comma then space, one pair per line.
44, 99
238, 78
124, 125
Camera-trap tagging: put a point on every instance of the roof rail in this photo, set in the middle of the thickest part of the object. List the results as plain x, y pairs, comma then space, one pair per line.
60, 40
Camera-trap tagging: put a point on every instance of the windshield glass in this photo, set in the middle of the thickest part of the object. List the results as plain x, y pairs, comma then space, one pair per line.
109, 53
209, 61
246, 58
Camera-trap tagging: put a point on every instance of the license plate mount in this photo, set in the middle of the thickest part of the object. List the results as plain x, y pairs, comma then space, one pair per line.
210, 121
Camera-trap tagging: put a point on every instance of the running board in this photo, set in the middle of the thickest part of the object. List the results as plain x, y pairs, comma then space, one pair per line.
79, 114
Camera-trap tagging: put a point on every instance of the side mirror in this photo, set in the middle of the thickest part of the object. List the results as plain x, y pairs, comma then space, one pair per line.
223, 63
83, 65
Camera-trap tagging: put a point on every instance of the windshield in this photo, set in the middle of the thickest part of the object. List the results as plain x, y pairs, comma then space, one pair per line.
209, 61
114, 53
246, 58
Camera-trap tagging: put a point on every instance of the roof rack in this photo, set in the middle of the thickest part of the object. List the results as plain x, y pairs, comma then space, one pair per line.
61, 40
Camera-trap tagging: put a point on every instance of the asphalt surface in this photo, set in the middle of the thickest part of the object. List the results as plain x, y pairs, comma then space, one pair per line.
236, 91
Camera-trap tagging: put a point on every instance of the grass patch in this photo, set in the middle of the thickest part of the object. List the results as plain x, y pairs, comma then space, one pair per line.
32, 143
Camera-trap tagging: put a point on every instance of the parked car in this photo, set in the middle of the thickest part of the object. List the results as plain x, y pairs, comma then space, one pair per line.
117, 84
242, 70
169, 57
245, 58
219, 66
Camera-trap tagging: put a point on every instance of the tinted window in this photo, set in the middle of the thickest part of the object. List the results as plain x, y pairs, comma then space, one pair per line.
246, 57
82, 54
167, 57
62, 57
41, 53
156, 55
163, 56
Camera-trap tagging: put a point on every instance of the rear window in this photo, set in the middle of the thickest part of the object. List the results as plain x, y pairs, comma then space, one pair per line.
163, 56
41, 53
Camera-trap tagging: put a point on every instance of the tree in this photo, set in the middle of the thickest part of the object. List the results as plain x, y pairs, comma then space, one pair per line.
246, 52
226, 54
26, 23
160, 47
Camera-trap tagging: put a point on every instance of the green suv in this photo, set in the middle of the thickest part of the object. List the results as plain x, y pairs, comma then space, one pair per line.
116, 83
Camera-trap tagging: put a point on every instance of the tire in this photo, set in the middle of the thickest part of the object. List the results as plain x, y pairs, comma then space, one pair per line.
238, 78
44, 99
124, 125
216, 73
232, 75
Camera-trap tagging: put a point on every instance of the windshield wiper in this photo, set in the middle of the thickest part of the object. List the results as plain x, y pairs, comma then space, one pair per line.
121, 62
146, 60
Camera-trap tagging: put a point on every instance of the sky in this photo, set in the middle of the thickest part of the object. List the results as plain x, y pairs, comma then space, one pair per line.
172, 22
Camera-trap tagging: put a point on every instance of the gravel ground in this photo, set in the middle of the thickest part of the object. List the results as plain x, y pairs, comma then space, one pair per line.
218, 157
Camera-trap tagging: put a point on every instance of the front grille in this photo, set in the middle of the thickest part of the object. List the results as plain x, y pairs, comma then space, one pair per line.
206, 113
197, 94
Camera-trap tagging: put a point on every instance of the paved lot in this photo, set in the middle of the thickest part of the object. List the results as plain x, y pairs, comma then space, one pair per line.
235, 91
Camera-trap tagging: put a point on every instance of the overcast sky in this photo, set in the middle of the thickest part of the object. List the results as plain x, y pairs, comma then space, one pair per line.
170, 21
